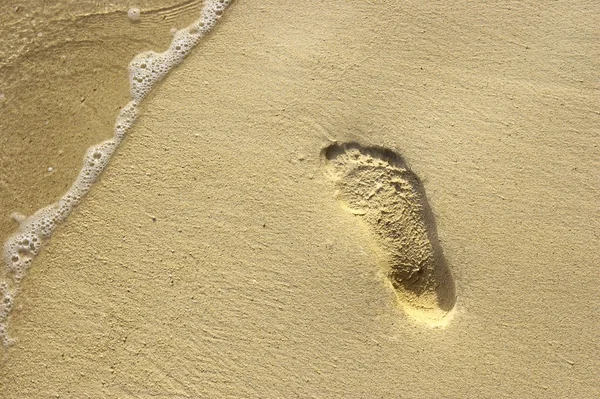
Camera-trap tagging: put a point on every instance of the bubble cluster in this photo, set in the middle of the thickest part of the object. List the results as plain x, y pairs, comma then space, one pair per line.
94, 162
125, 120
6, 303
150, 67
145, 70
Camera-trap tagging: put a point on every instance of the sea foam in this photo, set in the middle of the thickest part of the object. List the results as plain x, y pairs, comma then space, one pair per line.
145, 70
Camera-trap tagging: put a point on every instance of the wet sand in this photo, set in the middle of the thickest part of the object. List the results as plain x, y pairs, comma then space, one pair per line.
213, 258
63, 78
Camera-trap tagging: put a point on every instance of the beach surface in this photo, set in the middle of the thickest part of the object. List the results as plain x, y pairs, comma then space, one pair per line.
216, 258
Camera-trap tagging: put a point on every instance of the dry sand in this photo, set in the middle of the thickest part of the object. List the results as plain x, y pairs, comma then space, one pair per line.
213, 258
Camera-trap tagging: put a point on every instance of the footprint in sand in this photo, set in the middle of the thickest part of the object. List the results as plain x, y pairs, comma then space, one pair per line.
376, 185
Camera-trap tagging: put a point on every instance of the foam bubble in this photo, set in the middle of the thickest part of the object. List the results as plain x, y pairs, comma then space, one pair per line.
145, 71
134, 14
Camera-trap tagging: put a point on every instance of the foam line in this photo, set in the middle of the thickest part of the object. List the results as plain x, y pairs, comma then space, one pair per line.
145, 71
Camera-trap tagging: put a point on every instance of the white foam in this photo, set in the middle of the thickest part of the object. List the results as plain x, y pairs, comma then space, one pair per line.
145, 70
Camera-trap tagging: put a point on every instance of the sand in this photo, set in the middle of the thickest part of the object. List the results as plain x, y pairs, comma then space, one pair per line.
214, 258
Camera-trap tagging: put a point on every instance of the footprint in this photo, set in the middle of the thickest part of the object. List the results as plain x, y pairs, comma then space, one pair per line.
376, 185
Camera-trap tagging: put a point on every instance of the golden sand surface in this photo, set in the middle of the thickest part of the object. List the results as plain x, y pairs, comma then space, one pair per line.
216, 258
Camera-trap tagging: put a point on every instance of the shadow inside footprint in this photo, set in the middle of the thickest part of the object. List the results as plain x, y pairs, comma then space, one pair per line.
375, 184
